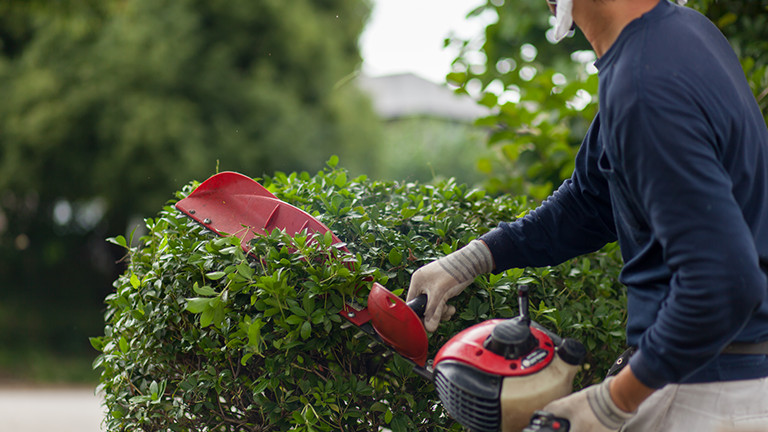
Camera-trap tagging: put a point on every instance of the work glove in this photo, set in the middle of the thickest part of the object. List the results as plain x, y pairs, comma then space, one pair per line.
446, 278
590, 410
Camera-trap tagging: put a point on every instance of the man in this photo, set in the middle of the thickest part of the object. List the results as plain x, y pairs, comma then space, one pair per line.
674, 167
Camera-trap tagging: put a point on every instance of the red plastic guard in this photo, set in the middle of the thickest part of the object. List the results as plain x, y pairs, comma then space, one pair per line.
397, 324
229, 203
467, 347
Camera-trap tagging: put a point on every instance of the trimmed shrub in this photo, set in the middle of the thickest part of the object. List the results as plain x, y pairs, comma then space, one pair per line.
200, 336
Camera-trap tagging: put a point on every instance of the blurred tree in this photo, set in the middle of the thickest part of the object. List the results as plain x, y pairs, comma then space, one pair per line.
540, 93
745, 24
428, 149
110, 105
545, 94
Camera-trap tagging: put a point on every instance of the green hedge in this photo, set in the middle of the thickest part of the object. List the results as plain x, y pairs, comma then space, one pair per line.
200, 337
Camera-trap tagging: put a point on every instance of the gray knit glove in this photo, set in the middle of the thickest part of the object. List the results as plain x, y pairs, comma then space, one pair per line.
446, 278
590, 410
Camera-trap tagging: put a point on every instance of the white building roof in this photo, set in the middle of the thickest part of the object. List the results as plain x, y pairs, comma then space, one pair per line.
407, 95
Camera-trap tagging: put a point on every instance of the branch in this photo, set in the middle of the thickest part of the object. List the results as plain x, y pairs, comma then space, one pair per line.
762, 95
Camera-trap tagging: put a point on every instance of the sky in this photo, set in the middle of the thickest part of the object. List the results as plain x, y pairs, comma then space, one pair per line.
407, 36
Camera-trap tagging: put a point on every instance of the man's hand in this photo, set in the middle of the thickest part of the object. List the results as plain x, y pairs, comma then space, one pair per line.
446, 278
590, 410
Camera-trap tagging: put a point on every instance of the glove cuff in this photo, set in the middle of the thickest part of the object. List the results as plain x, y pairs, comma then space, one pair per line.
468, 262
606, 411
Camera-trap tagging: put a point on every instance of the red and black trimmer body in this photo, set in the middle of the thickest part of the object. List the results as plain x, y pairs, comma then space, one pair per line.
494, 375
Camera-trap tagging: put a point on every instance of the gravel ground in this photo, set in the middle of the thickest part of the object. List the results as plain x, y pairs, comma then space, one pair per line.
50, 410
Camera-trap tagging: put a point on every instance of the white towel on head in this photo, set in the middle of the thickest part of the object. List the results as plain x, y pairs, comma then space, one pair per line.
563, 18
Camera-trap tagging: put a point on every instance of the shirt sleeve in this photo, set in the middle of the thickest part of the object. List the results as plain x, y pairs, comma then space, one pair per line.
576, 219
672, 165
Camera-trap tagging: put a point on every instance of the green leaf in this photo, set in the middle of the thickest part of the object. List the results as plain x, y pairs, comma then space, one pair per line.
215, 275
340, 180
198, 304
306, 330
206, 318
489, 100
139, 399
294, 320
456, 77
245, 270
400, 423
395, 257
97, 343
254, 333
526, 280
119, 240
260, 386
297, 417
298, 311
204, 290
408, 213
308, 304
378, 406
328, 238
726, 20
135, 282
219, 312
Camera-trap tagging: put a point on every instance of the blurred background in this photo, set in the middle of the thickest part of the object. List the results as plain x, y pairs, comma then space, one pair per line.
109, 106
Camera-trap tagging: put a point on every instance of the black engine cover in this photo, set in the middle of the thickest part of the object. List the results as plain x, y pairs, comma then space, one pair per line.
470, 396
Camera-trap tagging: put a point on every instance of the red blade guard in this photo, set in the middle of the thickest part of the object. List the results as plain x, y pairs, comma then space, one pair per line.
231, 203
397, 324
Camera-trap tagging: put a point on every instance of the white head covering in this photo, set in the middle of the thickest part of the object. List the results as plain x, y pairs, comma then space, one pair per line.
564, 18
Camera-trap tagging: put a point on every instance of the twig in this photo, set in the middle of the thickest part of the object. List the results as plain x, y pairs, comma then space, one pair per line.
762, 95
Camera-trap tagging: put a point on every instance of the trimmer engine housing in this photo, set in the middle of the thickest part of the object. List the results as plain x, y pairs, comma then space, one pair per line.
495, 375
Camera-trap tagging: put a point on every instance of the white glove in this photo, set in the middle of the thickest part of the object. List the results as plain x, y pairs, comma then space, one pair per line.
446, 278
590, 410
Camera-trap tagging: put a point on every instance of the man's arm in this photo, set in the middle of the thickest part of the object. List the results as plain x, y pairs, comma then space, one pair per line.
575, 220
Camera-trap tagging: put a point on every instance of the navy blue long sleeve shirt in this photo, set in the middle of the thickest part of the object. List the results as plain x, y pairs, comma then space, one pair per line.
674, 167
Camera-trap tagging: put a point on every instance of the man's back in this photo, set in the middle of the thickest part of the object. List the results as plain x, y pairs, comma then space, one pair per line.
686, 157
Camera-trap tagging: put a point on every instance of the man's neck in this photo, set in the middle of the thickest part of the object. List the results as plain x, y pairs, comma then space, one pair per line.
602, 21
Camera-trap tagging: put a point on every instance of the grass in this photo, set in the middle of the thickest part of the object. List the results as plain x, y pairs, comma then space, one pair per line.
43, 367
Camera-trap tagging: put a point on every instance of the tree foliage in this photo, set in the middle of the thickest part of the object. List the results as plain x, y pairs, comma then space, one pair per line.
545, 95
108, 106
201, 337
125, 103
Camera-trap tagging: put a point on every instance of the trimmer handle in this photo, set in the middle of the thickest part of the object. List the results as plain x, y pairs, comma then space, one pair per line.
545, 422
419, 305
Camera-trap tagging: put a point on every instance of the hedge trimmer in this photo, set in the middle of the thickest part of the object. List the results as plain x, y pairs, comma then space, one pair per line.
492, 376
